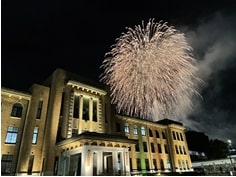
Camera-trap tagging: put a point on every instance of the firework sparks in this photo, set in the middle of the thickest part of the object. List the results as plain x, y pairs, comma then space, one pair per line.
151, 72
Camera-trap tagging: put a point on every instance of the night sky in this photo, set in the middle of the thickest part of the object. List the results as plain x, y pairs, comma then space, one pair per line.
40, 36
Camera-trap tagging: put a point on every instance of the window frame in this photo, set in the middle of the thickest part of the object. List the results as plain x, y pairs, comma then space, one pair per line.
11, 135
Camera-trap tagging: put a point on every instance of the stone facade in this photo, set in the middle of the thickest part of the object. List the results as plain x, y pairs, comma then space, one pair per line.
67, 126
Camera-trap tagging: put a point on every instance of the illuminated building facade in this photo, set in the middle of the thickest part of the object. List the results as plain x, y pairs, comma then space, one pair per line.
67, 126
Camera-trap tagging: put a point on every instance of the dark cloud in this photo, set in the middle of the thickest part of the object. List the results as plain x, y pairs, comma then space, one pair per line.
214, 45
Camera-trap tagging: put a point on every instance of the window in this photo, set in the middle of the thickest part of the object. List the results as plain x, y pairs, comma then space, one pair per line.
180, 150
177, 135
62, 103
168, 164
30, 164
163, 135
95, 110
176, 149
162, 164
76, 106
157, 134
39, 111
16, 110
184, 150
150, 132
130, 163
154, 162
86, 109
11, 135
6, 163
126, 128
135, 130
181, 137
145, 147
138, 161
159, 148
35, 135
166, 149
147, 164
117, 127
143, 132
152, 147
74, 132
173, 133
137, 147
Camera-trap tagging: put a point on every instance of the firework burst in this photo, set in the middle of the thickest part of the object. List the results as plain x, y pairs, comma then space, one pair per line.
151, 72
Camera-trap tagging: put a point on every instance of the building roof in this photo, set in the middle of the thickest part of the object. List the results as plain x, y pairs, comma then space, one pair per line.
168, 122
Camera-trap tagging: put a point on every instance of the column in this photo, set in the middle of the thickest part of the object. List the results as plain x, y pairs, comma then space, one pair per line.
100, 162
105, 164
126, 162
115, 162
90, 114
80, 114
122, 163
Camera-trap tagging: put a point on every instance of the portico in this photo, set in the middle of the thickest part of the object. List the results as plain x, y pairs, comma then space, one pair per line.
95, 157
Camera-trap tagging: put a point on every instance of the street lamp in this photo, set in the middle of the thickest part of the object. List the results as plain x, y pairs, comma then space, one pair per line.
229, 148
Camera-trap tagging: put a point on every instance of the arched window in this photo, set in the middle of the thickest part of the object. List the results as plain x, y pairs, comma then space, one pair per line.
157, 134
126, 128
163, 134
150, 132
135, 130
16, 110
143, 132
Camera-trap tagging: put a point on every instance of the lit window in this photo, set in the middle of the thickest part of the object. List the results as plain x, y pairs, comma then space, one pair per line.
35, 135
143, 132
135, 130
168, 164
16, 110
126, 128
11, 135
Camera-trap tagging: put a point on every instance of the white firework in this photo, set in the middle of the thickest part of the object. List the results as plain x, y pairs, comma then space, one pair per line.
151, 72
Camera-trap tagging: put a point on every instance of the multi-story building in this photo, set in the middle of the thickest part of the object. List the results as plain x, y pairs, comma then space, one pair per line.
67, 126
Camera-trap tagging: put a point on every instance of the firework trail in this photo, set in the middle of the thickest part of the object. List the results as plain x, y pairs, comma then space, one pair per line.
151, 72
